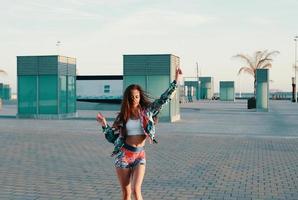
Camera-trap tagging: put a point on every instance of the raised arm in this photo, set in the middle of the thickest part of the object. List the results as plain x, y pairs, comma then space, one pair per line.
158, 104
101, 119
109, 132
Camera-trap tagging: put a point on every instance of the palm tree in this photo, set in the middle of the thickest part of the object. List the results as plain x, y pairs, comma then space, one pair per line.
260, 60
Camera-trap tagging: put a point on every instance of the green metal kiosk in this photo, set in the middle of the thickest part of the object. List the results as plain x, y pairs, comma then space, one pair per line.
227, 90
46, 87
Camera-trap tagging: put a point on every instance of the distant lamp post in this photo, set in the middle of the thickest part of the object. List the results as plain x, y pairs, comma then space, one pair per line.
58, 43
295, 68
293, 89
198, 96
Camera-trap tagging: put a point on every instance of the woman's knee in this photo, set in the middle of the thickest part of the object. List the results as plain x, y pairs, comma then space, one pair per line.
137, 191
126, 191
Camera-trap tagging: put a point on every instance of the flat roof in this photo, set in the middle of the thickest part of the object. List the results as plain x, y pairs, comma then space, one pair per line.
100, 77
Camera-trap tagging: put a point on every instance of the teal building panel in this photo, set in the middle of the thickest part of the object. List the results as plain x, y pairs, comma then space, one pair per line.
148, 65
63, 94
71, 101
140, 80
27, 65
47, 94
27, 95
47, 65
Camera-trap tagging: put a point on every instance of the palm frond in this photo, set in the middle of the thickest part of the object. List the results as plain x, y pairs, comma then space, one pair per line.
272, 53
2, 71
246, 58
266, 66
258, 57
267, 58
246, 70
263, 62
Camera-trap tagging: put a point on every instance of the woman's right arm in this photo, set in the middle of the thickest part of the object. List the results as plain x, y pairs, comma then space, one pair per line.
109, 132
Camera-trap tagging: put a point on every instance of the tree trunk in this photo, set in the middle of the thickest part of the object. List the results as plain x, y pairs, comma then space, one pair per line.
255, 87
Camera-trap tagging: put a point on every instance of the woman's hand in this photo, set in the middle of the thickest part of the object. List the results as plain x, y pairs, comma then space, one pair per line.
178, 74
101, 119
155, 120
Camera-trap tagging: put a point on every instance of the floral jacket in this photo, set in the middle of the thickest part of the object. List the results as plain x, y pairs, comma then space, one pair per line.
115, 136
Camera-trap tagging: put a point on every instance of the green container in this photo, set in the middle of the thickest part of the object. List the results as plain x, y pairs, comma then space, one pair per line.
206, 87
154, 73
5, 92
46, 86
227, 91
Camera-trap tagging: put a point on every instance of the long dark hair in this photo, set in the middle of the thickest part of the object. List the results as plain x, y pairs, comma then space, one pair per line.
125, 112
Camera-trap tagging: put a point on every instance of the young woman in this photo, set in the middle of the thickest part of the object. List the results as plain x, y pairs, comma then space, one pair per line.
132, 126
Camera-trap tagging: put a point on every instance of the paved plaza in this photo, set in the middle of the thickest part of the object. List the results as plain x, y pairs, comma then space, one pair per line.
218, 150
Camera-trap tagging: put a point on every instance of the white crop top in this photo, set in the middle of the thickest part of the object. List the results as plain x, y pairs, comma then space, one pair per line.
133, 127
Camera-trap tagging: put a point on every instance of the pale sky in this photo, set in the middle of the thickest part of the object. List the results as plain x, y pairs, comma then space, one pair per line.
99, 32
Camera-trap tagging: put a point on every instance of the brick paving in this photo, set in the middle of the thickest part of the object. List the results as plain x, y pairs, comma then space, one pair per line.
212, 153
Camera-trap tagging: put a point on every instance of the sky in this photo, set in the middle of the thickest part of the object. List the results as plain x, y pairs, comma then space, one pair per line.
99, 32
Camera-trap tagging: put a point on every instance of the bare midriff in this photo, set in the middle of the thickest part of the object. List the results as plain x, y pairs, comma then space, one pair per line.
136, 140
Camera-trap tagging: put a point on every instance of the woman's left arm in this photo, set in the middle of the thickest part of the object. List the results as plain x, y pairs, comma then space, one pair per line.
157, 105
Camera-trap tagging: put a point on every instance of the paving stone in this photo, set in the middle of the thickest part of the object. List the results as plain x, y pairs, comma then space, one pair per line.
69, 159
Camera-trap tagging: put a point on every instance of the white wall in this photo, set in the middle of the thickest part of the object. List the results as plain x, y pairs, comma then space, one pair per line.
94, 89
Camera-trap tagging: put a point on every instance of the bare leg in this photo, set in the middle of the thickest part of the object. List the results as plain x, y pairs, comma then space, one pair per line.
124, 179
138, 174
